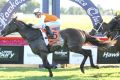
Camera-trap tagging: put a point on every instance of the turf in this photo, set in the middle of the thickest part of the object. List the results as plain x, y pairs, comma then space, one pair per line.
59, 74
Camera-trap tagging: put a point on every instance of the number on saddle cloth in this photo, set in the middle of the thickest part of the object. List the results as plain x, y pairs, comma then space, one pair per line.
56, 40
58, 44
60, 41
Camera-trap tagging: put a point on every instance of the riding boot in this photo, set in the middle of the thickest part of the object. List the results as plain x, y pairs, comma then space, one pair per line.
49, 32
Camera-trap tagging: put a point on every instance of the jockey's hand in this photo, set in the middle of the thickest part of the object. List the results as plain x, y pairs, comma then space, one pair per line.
51, 36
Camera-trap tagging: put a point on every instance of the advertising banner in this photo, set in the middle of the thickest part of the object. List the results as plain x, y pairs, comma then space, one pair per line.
91, 10
6, 13
111, 56
76, 58
11, 54
31, 58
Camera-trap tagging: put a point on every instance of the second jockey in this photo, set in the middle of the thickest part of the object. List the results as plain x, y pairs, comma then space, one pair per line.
46, 21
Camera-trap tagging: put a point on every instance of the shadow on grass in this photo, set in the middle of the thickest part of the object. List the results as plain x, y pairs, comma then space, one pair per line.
112, 74
49, 78
35, 69
7, 69
21, 69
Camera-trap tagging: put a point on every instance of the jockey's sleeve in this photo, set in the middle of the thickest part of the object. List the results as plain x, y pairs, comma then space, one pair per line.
42, 20
41, 23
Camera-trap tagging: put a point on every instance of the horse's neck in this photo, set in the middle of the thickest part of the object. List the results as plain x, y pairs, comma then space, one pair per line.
29, 33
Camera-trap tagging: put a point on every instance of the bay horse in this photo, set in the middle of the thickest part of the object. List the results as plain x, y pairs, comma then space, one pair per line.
73, 41
112, 30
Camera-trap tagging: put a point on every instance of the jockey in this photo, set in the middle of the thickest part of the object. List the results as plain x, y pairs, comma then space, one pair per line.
46, 21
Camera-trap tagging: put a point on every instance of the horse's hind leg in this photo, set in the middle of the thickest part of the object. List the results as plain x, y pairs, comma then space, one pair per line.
79, 50
83, 63
91, 59
84, 53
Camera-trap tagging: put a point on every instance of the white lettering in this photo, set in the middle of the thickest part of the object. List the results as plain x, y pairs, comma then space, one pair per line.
4, 17
9, 10
96, 19
2, 23
12, 4
7, 14
16, 2
92, 11
60, 53
6, 54
107, 54
82, 2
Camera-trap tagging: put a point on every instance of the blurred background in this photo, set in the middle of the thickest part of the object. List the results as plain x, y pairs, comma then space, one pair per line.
72, 15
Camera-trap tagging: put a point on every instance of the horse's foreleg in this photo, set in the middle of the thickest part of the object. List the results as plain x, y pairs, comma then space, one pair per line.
47, 65
83, 63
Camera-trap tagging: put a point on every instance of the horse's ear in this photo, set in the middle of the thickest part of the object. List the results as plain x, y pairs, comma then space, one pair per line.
15, 18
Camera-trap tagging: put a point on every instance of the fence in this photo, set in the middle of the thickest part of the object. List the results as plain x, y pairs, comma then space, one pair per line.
15, 50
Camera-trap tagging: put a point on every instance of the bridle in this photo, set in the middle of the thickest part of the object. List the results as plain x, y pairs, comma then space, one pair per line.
99, 27
117, 35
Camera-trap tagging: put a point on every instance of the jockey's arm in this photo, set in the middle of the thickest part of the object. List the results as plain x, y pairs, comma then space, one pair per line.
41, 23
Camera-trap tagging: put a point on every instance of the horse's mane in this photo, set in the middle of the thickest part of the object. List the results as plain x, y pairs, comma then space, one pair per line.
27, 25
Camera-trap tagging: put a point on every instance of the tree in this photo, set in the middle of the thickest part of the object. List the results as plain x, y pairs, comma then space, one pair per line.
63, 10
75, 10
29, 7
2, 3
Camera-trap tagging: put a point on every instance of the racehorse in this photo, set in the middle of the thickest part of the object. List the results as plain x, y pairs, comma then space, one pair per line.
73, 41
112, 30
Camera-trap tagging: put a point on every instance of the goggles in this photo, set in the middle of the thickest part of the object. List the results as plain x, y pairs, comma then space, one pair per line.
38, 13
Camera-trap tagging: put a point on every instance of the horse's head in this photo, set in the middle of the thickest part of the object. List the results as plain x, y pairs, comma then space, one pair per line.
109, 28
105, 28
99, 29
10, 28
114, 24
113, 27
102, 29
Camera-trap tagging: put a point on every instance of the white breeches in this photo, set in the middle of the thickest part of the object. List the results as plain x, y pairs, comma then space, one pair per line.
45, 37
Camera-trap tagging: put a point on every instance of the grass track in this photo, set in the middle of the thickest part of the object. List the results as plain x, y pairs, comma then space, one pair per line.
59, 74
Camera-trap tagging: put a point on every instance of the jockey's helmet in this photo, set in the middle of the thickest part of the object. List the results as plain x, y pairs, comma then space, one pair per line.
37, 10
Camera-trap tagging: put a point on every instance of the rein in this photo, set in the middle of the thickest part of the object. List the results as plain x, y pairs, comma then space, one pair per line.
97, 30
116, 36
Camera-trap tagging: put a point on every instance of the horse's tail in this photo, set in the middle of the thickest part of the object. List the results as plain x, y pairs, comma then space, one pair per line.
99, 43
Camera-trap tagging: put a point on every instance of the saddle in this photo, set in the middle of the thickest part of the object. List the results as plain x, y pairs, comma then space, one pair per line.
55, 40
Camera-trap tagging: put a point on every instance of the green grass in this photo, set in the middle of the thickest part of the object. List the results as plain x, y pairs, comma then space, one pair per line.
59, 74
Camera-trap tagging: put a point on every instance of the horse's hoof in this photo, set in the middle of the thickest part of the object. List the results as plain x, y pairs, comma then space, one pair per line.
97, 67
82, 70
53, 66
51, 75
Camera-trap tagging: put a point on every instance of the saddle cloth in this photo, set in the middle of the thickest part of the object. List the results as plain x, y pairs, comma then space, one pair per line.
56, 40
